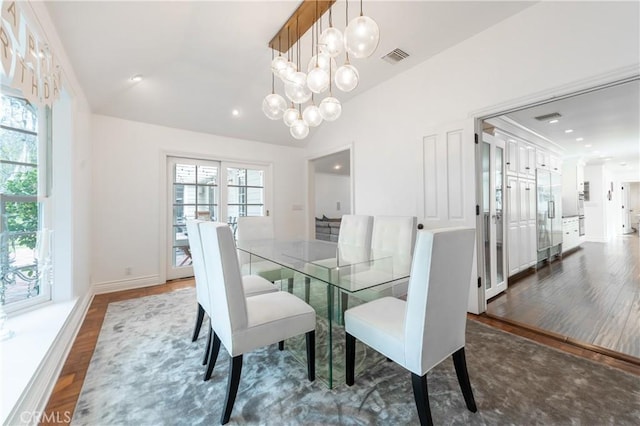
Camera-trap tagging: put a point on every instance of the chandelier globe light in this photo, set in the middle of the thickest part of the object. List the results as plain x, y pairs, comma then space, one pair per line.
318, 80
311, 116
331, 42
290, 116
347, 77
330, 108
278, 64
299, 129
362, 35
296, 88
323, 61
274, 106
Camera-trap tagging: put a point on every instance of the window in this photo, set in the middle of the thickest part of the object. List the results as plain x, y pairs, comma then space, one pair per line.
25, 258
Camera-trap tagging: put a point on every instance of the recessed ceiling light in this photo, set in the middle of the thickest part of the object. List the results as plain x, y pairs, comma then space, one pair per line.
588, 145
607, 159
623, 164
579, 139
569, 131
337, 167
235, 112
136, 78
554, 121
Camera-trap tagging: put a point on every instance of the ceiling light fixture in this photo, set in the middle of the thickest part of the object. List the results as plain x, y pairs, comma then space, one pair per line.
337, 167
136, 78
579, 139
554, 121
588, 145
569, 131
235, 112
360, 40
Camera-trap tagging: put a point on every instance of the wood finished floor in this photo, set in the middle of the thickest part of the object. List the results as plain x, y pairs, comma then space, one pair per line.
67, 389
591, 296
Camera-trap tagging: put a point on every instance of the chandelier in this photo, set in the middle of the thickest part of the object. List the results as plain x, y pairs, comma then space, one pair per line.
296, 104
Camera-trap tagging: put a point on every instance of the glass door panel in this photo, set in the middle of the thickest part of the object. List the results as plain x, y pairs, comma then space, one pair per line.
493, 168
194, 189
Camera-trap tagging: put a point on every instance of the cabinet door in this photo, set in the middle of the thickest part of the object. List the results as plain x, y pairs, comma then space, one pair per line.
532, 251
542, 159
531, 161
514, 249
523, 159
555, 164
512, 156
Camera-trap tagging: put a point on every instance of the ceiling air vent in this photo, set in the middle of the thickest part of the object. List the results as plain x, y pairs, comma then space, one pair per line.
547, 117
395, 56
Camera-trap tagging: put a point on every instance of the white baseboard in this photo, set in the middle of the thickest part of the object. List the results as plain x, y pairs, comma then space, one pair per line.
33, 400
129, 284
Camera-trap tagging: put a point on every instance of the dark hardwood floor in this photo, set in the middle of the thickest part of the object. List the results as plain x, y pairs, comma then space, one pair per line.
590, 297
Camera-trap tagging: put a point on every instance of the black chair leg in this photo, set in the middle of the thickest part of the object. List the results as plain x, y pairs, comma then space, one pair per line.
350, 361
421, 395
213, 356
281, 345
460, 363
208, 349
232, 388
307, 289
290, 285
199, 319
311, 355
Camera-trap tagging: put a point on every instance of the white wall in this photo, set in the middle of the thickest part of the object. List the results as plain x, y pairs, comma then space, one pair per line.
548, 48
332, 189
129, 190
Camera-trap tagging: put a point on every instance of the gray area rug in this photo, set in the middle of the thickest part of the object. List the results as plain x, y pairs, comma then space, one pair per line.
146, 371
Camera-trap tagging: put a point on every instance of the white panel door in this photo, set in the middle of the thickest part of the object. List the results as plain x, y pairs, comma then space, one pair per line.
447, 190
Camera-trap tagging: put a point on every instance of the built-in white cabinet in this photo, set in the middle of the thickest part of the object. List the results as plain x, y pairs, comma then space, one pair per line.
570, 233
521, 223
522, 160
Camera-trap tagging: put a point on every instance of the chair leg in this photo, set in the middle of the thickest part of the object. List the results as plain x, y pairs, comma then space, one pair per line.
460, 363
307, 289
199, 319
208, 349
311, 355
345, 303
350, 361
232, 388
290, 285
421, 395
281, 345
213, 356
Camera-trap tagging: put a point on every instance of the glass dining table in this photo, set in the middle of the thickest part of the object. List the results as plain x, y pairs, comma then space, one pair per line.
328, 276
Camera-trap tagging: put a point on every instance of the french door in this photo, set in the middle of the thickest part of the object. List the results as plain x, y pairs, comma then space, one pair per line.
209, 190
493, 202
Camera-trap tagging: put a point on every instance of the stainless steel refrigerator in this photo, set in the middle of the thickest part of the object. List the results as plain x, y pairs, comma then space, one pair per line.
549, 213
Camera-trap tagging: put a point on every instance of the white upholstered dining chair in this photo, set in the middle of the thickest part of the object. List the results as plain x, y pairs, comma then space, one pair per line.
354, 243
422, 331
243, 324
252, 284
255, 228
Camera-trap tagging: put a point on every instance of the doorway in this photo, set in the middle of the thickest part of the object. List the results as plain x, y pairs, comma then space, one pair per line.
591, 130
330, 191
209, 190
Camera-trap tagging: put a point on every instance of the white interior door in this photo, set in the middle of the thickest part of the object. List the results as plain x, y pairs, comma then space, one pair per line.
493, 207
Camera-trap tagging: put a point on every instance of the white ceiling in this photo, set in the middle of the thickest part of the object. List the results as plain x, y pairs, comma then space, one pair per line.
200, 59
608, 120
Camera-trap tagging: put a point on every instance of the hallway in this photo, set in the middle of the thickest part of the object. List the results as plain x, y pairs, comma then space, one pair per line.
592, 296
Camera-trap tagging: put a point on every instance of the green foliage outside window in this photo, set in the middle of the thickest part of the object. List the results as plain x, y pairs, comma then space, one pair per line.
23, 217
